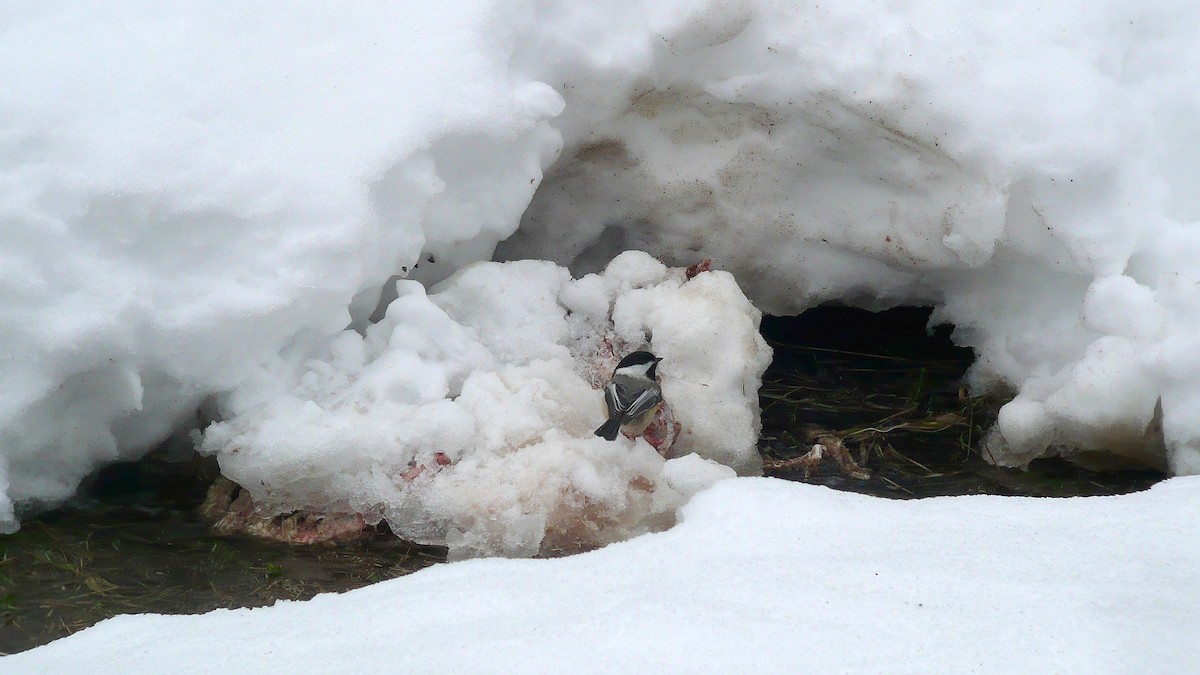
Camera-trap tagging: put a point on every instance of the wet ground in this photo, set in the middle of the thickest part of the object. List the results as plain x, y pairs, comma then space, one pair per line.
136, 543
892, 391
882, 385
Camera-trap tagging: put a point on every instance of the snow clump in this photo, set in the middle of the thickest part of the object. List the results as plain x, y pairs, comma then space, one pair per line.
465, 416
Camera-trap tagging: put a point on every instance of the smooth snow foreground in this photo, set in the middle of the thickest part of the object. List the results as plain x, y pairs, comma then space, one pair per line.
761, 575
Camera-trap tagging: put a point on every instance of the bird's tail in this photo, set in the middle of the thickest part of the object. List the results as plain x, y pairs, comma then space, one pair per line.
610, 428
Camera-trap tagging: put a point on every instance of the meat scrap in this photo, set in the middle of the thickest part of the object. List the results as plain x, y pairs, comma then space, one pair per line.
702, 266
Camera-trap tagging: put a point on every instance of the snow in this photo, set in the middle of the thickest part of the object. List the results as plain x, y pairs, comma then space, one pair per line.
188, 187
760, 575
1019, 167
170, 227
496, 373
251, 209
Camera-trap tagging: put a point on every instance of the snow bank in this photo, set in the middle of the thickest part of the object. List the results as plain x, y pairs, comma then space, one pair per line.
189, 189
465, 416
761, 575
1024, 168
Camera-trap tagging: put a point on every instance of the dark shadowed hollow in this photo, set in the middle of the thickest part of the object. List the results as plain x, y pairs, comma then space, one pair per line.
878, 391
890, 390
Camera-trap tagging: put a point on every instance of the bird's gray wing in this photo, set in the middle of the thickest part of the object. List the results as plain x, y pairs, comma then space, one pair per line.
644, 402
612, 397
630, 401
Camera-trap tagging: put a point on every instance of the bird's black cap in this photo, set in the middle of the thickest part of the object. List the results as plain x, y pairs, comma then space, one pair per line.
641, 358
637, 359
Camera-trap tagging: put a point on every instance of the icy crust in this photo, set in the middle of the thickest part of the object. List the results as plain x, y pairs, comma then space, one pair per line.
1020, 167
465, 416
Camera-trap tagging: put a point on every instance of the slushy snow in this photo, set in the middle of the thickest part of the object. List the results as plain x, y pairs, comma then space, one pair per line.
199, 201
760, 576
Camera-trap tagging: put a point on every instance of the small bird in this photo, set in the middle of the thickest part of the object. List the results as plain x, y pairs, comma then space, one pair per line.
633, 396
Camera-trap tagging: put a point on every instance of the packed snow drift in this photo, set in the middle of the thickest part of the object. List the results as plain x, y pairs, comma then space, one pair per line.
200, 199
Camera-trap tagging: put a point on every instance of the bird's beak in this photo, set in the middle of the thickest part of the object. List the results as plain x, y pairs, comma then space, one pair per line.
658, 359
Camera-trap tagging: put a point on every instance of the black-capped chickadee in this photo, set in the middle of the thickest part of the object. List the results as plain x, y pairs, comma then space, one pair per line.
633, 396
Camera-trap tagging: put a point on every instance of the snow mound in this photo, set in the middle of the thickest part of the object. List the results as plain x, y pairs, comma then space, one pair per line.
465, 416
187, 192
186, 189
1021, 168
